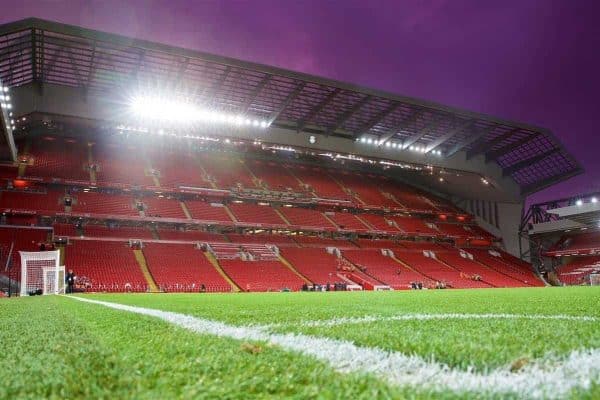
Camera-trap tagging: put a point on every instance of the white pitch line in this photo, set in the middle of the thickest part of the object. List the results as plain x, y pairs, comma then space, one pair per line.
542, 379
426, 317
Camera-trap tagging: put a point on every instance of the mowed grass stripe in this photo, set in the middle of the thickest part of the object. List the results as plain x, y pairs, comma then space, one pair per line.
440, 317
547, 378
56, 348
479, 343
289, 308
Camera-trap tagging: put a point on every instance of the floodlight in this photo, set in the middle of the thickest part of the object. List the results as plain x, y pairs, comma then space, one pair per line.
185, 112
579, 202
594, 200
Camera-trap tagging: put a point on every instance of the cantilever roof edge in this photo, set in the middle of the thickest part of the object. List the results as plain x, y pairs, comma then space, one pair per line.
37, 23
531, 185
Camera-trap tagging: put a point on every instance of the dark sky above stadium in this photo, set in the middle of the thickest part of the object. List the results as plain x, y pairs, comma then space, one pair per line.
532, 61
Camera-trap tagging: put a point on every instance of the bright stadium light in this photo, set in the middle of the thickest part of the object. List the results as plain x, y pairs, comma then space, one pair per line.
594, 200
164, 109
579, 203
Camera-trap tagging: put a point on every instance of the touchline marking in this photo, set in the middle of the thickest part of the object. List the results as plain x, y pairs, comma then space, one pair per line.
542, 379
426, 317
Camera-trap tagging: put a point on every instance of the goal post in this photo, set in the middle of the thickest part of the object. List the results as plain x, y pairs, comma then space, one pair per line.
40, 271
595, 279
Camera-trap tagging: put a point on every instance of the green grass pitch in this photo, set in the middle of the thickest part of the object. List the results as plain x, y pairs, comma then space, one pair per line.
55, 347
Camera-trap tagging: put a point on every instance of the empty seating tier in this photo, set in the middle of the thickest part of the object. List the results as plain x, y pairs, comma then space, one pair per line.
209, 212
437, 271
366, 187
578, 270
384, 268
45, 202
261, 276
314, 263
55, 157
506, 266
471, 267
409, 198
177, 169
119, 164
320, 182
256, 214
414, 226
168, 194
109, 266
182, 268
104, 203
227, 170
307, 218
455, 230
347, 222
274, 176
162, 207
379, 223
102, 231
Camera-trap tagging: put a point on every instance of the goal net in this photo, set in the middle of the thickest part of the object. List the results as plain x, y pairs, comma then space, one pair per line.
595, 279
40, 272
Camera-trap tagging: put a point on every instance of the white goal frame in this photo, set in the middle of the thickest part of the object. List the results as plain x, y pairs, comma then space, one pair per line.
41, 270
595, 279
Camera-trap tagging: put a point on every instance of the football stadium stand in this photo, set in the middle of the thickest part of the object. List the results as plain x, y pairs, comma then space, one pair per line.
301, 181
365, 250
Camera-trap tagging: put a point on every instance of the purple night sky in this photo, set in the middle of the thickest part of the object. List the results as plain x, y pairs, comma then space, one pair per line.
532, 61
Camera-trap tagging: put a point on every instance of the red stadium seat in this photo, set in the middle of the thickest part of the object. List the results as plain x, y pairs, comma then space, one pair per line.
307, 218
182, 268
256, 214
109, 266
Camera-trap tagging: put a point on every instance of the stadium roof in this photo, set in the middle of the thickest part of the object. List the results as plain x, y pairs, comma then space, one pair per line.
39, 51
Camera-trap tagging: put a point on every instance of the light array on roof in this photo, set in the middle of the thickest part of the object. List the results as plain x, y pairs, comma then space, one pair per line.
121, 129
5, 103
580, 202
397, 145
385, 164
175, 111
